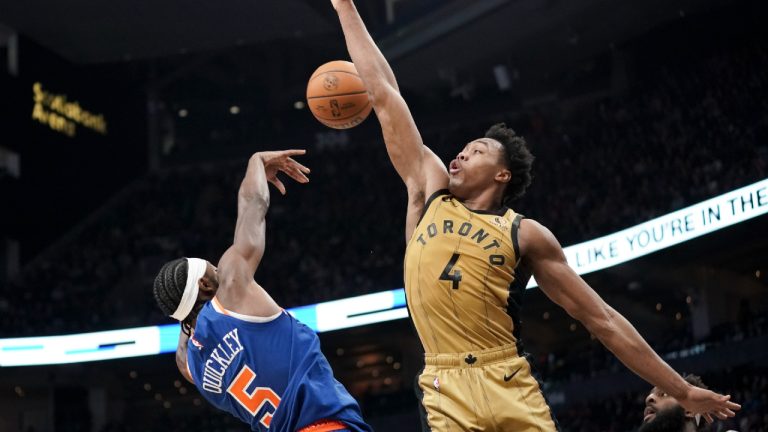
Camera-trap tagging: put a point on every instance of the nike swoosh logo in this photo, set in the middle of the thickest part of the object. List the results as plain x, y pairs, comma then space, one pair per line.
509, 377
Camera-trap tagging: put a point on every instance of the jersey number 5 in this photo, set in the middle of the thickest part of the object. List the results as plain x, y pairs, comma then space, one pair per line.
254, 401
456, 276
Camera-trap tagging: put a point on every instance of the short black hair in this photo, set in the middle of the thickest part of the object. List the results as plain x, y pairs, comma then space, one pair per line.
169, 288
518, 159
695, 381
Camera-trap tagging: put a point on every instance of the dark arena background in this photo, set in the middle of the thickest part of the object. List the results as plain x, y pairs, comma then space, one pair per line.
126, 129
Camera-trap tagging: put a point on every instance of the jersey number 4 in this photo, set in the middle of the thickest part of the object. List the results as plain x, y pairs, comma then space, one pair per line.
456, 276
254, 401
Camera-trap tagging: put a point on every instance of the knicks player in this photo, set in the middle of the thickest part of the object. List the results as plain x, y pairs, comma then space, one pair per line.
245, 354
663, 413
468, 260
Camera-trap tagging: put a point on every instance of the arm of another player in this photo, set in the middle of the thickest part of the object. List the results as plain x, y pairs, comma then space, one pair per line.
561, 284
243, 257
421, 170
181, 357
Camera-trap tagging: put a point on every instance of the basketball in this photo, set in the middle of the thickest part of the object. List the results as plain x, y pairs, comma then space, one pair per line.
337, 96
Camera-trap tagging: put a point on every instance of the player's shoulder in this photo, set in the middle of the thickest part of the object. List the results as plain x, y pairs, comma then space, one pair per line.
536, 239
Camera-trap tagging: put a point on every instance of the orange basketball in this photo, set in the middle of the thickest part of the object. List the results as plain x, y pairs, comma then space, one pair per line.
336, 95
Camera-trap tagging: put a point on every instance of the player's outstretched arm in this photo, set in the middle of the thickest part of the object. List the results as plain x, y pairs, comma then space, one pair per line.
244, 256
421, 170
542, 253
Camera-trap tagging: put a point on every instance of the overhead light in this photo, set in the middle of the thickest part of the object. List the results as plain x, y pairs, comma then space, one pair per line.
339, 352
688, 300
183, 113
299, 105
658, 307
546, 315
757, 274
573, 327
678, 316
234, 110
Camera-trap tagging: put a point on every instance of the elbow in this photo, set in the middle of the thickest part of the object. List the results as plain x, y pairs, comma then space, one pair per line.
379, 93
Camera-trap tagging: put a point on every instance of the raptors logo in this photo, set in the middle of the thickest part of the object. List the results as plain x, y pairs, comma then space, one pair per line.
331, 82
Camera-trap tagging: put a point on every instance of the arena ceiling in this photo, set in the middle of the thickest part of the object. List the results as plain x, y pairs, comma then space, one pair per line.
91, 32
455, 33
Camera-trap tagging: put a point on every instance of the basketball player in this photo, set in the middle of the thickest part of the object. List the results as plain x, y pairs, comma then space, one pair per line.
245, 354
468, 260
663, 413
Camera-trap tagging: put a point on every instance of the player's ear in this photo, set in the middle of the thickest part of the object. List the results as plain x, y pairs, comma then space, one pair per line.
205, 285
503, 176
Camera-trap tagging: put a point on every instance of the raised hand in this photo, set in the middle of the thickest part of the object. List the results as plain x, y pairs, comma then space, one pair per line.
282, 161
708, 403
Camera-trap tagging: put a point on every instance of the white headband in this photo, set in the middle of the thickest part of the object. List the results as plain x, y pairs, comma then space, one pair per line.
195, 272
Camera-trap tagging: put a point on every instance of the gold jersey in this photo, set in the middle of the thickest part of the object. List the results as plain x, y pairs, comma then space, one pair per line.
462, 285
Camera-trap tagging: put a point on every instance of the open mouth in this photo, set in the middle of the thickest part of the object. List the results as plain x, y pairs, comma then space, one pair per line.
454, 167
648, 414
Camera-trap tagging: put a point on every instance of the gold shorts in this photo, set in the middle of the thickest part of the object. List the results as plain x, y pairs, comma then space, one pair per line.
488, 390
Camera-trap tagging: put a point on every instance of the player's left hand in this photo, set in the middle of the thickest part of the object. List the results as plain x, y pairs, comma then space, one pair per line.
709, 404
281, 161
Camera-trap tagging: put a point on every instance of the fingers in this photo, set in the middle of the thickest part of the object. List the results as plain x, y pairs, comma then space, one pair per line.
296, 175
293, 152
278, 184
732, 405
721, 414
301, 167
295, 170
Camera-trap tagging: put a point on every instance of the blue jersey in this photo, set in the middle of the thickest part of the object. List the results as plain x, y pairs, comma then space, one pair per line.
268, 373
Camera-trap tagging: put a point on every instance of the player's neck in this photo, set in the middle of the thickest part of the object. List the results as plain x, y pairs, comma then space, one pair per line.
487, 200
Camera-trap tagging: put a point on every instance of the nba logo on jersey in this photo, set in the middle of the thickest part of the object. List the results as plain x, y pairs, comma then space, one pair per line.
194, 341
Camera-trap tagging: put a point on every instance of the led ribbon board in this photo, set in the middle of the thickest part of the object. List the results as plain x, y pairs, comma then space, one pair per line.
598, 254
671, 229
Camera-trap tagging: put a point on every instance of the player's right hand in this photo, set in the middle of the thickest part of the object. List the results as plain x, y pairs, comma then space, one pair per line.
277, 161
708, 404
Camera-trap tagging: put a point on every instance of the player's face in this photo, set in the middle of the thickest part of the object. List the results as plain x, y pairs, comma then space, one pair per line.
212, 274
657, 402
476, 167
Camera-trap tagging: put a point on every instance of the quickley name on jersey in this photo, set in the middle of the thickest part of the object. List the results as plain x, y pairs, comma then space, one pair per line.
462, 281
219, 360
